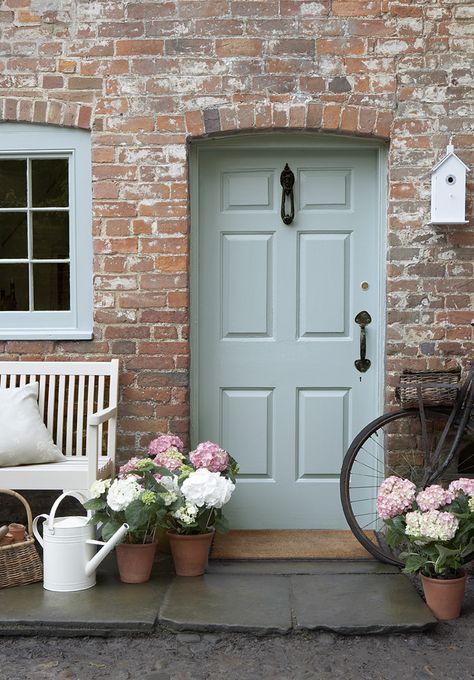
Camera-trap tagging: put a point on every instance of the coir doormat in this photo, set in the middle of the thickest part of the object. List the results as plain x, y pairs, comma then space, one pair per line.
287, 544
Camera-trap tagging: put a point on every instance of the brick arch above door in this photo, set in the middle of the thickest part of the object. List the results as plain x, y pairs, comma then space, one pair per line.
50, 111
324, 116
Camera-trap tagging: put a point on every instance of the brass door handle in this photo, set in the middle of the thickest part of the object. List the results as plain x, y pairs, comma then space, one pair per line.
363, 319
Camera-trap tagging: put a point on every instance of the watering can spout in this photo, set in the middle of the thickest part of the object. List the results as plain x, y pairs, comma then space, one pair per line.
93, 563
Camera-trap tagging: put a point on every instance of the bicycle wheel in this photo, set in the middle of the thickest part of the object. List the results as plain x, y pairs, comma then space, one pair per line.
394, 444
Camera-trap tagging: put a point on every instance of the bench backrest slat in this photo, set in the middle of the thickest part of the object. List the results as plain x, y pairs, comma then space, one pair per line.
70, 414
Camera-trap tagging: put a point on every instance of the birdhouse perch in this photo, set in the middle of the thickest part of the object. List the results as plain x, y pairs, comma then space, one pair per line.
448, 190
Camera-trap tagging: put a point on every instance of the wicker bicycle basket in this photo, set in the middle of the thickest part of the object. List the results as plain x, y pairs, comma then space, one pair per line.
19, 562
437, 388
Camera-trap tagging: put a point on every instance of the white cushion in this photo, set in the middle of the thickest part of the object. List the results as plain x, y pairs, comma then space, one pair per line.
24, 438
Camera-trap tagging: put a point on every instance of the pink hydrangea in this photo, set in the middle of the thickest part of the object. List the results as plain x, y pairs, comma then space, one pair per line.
395, 496
128, 467
171, 459
163, 443
210, 456
434, 497
464, 484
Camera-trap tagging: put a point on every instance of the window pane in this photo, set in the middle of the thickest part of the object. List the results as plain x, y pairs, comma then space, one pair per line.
49, 183
13, 287
50, 235
13, 235
12, 184
51, 286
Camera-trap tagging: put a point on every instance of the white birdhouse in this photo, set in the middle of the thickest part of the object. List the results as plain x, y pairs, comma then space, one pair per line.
448, 190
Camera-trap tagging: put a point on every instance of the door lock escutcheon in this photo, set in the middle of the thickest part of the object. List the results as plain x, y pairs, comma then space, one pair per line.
363, 319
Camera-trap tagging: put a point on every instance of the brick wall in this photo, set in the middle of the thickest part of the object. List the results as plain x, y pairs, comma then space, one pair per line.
147, 76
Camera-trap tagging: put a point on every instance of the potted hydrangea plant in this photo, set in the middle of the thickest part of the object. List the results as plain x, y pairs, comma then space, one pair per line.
195, 489
433, 528
132, 497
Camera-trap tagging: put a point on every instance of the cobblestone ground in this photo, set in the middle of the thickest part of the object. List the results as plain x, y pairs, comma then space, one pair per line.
445, 653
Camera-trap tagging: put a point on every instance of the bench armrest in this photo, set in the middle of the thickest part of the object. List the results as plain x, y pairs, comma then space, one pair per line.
103, 415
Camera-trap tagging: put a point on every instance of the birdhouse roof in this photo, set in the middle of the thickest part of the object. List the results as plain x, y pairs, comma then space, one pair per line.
450, 154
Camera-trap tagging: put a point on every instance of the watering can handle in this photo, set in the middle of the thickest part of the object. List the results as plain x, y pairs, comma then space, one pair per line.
74, 494
35, 529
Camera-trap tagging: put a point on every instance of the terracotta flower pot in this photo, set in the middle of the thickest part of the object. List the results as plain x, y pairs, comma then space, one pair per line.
190, 552
444, 596
18, 532
135, 561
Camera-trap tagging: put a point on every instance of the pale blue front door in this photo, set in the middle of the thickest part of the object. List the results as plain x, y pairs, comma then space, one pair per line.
274, 336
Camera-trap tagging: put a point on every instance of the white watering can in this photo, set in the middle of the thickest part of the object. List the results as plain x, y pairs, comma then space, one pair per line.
69, 549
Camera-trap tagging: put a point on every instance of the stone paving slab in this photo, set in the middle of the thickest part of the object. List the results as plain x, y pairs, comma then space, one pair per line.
110, 607
287, 567
358, 604
245, 603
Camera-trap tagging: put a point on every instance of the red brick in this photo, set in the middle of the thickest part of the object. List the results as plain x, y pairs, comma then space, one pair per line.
52, 82
331, 116
314, 115
84, 118
203, 8
172, 263
171, 123
367, 120
142, 300
194, 123
340, 46
153, 10
349, 118
370, 27
80, 83
351, 8
297, 116
11, 106
293, 46
139, 47
238, 47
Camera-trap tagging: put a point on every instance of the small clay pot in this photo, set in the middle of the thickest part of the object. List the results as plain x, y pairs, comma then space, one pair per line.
7, 539
17, 531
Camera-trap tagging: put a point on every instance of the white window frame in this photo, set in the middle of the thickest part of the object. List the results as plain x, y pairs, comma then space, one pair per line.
29, 140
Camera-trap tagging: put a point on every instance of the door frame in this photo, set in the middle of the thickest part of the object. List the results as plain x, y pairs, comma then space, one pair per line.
281, 140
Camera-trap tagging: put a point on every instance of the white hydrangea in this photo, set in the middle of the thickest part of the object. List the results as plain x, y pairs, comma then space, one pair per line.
169, 497
186, 514
99, 487
432, 525
122, 493
205, 488
170, 482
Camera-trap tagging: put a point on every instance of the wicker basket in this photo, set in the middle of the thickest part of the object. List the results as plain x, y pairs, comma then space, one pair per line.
437, 388
19, 562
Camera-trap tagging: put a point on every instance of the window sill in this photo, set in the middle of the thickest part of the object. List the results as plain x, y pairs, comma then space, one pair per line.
57, 334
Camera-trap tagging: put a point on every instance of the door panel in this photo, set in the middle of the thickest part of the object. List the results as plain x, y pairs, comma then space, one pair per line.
275, 339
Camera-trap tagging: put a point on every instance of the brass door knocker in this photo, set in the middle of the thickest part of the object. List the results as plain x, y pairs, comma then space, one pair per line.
287, 180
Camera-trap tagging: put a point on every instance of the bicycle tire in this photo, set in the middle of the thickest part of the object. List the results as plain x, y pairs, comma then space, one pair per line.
391, 445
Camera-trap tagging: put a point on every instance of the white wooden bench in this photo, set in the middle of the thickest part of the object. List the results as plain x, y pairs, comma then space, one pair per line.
78, 403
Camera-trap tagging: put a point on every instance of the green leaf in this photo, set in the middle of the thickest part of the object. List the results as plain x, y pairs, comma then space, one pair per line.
221, 525
137, 515
413, 562
164, 472
109, 529
95, 504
